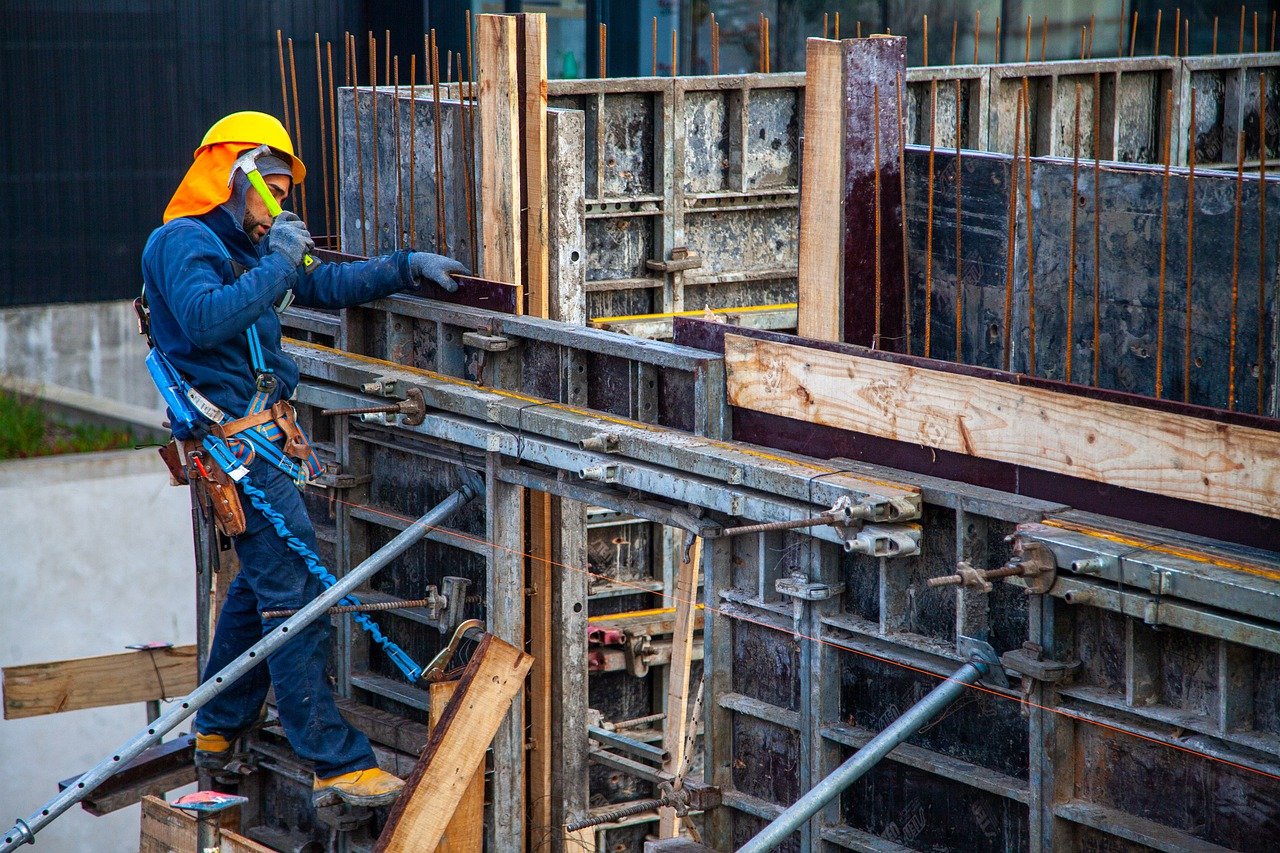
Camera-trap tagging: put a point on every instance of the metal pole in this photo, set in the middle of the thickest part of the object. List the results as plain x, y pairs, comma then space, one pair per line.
25, 831
864, 759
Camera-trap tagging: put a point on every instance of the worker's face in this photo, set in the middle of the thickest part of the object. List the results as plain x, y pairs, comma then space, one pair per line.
256, 219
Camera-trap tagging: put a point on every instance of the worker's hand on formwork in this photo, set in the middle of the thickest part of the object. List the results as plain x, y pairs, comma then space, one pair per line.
436, 269
289, 237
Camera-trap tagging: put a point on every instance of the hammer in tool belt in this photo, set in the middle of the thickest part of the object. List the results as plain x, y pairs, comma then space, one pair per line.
248, 163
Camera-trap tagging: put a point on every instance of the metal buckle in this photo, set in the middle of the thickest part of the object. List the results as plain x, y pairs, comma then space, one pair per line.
266, 383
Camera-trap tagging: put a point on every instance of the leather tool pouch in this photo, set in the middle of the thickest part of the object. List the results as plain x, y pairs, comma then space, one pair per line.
295, 444
228, 514
173, 461
217, 492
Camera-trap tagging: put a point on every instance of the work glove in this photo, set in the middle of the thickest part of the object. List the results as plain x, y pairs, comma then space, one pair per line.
289, 237
437, 269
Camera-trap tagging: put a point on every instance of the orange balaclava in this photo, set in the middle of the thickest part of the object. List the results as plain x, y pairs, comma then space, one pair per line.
205, 186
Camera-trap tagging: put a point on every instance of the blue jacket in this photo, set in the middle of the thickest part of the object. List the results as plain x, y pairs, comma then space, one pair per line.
200, 310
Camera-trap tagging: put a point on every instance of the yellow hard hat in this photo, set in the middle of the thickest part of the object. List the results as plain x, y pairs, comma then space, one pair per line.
258, 129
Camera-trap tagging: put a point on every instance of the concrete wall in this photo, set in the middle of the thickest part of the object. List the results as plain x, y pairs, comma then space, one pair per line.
95, 554
92, 347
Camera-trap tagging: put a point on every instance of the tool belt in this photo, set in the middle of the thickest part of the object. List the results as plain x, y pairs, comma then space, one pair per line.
188, 463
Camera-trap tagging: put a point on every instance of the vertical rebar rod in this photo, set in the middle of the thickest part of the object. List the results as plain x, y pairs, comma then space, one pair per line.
1026, 57
1120, 30
284, 104
1255, 32
386, 71
1164, 241
1272, 44
442, 228
324, 140
902, 202
1044, 37
675, 57
395, 120
1155, 49
835, 24
1177, 30
875, 135
413, 148
1097, 225
355, 114
866, 758
1215, 35
1191, 220
1071, 242
768, 57
1083, 37
1240, 46
928, 238
925, 24
653, 39
373, 140
1012, 229
297, 123
604, 43
1089, 52
1235, 274
715, 45
977, 33
1133, 34
1262, 235
959, 243
1031, 257
997, 45
333, 149
955, 30
825, 24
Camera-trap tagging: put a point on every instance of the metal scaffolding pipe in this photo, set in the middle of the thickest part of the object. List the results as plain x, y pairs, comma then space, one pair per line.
867, 757
25, 831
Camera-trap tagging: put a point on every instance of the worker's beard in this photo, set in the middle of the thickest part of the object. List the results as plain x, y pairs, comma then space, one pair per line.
254, 227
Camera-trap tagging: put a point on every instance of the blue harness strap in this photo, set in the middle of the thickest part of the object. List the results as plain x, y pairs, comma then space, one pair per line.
196, 414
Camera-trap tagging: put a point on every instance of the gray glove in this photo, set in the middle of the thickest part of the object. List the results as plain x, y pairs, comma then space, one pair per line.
436, 269
289, 237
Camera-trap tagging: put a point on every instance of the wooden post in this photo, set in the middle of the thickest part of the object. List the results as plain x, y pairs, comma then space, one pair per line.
458, 742
685, 595
499, 141
465, 832
852, 274
31, 690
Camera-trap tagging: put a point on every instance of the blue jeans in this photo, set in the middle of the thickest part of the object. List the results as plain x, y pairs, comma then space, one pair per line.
273, 577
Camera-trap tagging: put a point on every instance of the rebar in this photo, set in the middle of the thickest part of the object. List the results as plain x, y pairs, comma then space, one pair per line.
324, 140
373, 139
358, 608
629, 810
902, 201
413, 166
297, 124
395, 118
333, 149
1191, 219
1164, 242
1071, 242
1235, 274
977, 33
1031, 258
985, 574
928, 240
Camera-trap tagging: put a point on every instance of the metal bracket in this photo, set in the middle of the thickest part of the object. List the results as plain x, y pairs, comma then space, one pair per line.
1031, 662
638, 650
383, 386
333, 478
487, 343
975, 650
878, 540
682, 258
800, 587
601, 442
607, 473
1097, 565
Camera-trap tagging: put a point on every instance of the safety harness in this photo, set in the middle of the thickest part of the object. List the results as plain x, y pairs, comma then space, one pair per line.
232, 445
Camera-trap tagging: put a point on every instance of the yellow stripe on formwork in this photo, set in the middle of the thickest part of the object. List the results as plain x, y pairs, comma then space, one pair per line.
1171, 550
639, 614
598, 415
750, 309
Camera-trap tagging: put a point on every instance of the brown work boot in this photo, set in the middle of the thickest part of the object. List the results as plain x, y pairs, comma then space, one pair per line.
372, 787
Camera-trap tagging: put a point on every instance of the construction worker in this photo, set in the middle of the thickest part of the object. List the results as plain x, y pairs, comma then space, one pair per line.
215, 275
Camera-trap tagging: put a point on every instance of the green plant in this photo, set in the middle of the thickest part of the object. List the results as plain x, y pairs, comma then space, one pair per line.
26, 430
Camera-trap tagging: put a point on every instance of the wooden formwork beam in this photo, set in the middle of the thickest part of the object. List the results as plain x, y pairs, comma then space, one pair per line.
31, 690
675, 741
461, 736
499, 143
852, 266
1176, 455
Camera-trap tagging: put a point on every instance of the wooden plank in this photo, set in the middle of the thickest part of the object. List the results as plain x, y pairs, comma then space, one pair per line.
499, 150
458, 741
1179, 456
465, 832
159, 769
166, 829
874, 70
821, 285
33, 689
674, 732
532, 58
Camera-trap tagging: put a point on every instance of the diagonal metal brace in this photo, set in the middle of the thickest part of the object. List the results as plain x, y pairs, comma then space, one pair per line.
24, 832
